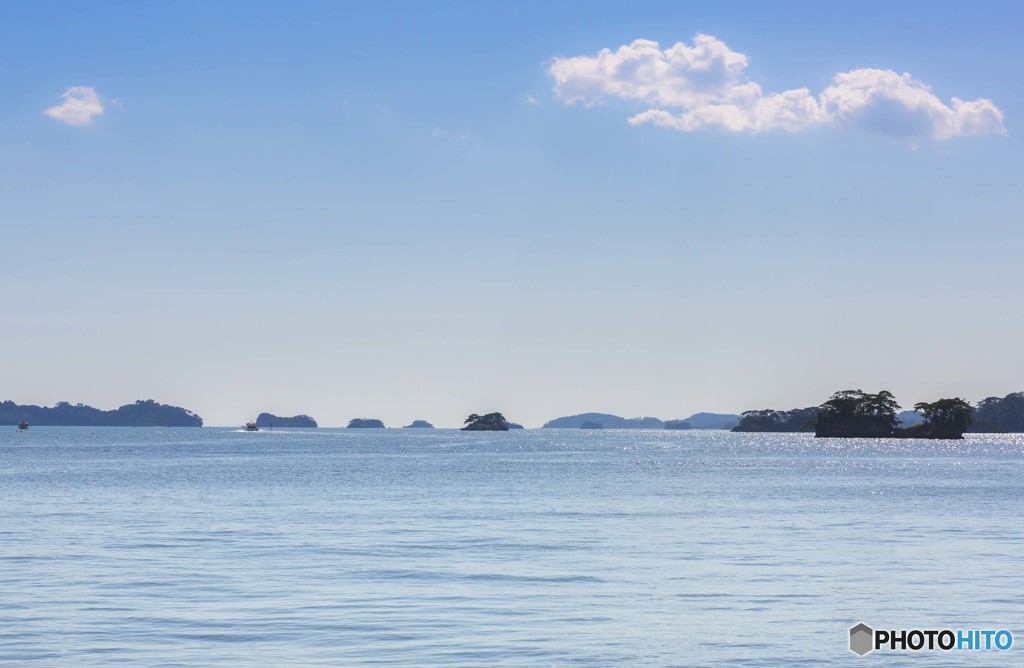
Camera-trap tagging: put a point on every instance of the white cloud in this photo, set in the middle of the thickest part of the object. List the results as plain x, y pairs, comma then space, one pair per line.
532, 100
679, 76
704, 87
81, 104
898, 105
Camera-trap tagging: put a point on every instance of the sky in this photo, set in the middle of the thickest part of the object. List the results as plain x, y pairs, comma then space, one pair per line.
422, 210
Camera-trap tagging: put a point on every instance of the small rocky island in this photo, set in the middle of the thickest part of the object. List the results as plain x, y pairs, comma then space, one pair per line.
365, 423
419, 424
143, 413
270, 421
489, 422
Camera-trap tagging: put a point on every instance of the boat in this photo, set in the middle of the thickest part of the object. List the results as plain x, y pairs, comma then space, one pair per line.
23, 425
251, 426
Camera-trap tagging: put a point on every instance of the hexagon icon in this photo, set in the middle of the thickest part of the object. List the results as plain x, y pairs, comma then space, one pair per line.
861, 639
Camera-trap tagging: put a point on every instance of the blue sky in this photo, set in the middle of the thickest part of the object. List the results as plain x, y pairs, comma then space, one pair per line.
398, 210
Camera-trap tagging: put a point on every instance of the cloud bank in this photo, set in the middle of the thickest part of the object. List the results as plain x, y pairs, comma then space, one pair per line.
80, 106
703, 87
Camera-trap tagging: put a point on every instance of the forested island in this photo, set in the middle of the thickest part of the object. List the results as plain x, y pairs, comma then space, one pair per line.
269, 421
143, 413
488, 422
1000, 416
771, 420
419, 424
365, 423
855, 413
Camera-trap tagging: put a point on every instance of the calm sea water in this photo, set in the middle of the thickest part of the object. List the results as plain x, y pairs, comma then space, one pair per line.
211, 547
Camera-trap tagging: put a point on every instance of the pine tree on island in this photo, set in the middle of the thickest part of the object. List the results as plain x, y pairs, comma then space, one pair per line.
858, 414
945, 418
489, 422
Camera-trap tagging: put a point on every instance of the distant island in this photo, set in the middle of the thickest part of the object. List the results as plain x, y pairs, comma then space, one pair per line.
713, 420
147, 413
859, 414
419, 424
269, 421
1000, 416
364, 423
771, 420
607, 421
514, 425
488, 422
801, 419
603, 421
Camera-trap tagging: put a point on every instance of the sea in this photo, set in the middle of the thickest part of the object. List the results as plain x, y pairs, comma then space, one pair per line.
546, 547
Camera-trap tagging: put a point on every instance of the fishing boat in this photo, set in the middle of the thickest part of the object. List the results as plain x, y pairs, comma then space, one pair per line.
23, 425
251, 426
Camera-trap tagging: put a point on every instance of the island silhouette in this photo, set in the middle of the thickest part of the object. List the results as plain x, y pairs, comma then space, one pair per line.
609, 421
365, 423
488, 422
859, 414
142, 413
270, 421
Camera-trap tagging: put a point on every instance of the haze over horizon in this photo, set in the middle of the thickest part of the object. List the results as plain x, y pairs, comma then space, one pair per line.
405, 211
